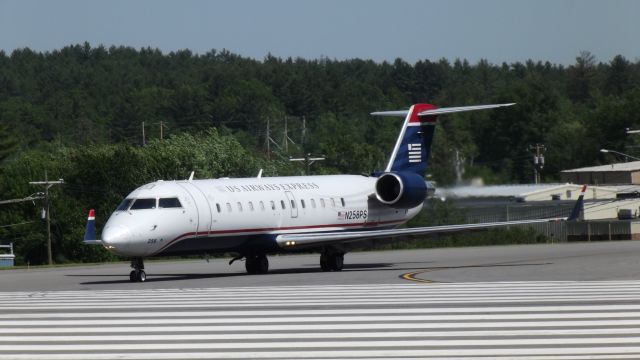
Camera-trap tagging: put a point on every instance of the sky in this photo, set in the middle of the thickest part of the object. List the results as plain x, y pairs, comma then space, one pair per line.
495, 30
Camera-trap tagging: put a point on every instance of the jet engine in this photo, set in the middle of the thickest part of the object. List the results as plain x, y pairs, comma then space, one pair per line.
401, 190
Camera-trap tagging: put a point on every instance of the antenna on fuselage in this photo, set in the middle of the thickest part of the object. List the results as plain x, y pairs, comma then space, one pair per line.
191, 176
260, 174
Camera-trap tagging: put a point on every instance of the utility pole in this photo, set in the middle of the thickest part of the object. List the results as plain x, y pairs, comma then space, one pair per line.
538, 160
143, 138
308, 161
304, 131
459, 167
285, 136
47, 184
268, 141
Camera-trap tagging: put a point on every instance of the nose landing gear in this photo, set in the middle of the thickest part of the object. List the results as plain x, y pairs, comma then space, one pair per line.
257, 264
137, 274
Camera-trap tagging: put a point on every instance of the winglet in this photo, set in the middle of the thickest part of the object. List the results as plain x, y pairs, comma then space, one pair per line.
579, 206
90, 231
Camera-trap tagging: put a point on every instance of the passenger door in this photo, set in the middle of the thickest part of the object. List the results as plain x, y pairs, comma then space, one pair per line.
292, 204
202, 207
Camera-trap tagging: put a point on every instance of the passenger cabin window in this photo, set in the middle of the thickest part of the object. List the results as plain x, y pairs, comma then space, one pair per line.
342, 201
302, 203
229, 207
250, 206
322, 202
169, 203
261, 205
313, 203
218, 207
333, 203
239, 206
282, 204
142, 204
293, 204
273, 205
124, 205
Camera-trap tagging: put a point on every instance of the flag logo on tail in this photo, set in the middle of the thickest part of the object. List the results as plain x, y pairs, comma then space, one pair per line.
415, 153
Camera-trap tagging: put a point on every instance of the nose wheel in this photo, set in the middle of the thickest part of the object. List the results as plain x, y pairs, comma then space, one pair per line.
137, 274
257, 264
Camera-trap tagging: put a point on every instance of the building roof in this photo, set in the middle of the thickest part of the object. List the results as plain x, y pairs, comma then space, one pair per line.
533, 192
511, 190
628, 166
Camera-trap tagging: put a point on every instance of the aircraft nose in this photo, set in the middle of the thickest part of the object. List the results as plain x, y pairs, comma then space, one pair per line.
115, 237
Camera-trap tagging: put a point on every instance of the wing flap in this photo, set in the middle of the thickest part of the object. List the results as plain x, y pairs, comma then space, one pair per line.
289, 241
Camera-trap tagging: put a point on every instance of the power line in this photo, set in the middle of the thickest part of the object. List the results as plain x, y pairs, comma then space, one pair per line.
33, 197
10, 225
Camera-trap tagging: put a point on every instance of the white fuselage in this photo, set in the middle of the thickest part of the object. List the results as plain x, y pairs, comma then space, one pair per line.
244, 215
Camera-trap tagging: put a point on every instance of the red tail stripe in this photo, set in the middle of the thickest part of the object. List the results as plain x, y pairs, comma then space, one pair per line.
417, 108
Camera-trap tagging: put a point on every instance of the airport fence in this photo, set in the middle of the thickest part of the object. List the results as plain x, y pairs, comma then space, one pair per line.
600, 230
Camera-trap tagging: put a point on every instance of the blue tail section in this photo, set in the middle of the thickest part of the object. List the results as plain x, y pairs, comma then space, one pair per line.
578, 208
413, 146
90, 231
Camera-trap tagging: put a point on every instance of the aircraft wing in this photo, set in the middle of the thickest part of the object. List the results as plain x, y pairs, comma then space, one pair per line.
289, 241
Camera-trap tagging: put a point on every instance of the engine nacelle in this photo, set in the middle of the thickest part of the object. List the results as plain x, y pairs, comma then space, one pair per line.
401, 190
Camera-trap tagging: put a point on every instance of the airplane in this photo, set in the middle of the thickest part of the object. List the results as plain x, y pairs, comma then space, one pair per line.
255, 217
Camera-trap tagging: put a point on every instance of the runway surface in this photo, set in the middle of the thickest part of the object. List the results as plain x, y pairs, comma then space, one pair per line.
503, 320
573, 262
560, 301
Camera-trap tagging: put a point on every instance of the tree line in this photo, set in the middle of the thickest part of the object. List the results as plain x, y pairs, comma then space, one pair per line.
78, 112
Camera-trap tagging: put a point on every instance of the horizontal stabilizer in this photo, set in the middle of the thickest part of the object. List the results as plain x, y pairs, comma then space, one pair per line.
398, 113
450, 110
440, 111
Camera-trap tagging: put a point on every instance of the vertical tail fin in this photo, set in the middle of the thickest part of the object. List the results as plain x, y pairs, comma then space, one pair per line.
578, 208
90, 230
413, 147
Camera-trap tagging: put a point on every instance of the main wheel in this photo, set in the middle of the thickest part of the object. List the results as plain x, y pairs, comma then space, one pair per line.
142, 276
324, 262
132, 276
262, 264
250, 264
337, 262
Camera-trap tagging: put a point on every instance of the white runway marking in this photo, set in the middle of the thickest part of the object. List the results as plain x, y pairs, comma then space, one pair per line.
518, 320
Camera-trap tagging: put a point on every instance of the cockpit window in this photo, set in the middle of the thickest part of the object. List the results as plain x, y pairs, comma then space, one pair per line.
141, 204
124, 205
169, 203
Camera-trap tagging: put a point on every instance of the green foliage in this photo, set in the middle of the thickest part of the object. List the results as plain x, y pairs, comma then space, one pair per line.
8, 144
83, 95
78, 113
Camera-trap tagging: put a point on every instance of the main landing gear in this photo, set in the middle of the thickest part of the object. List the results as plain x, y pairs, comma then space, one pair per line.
257, 264
137, 274
331, 260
